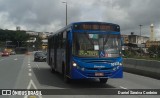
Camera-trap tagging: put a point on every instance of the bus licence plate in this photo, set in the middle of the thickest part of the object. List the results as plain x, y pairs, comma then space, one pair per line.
99, 74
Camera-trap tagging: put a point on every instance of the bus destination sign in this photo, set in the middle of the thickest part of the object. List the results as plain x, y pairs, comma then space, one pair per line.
102, 27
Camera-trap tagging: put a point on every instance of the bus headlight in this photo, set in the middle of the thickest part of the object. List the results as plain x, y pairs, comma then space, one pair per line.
74, 64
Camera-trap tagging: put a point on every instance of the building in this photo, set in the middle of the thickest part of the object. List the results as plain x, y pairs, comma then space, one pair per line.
134, 39
137, 39
152, 37
125, 39
32, 33
44, 44
152, 43
32, 39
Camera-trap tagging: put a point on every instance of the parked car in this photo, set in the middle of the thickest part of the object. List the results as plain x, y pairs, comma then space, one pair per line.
12, 53
5, 53
40, 56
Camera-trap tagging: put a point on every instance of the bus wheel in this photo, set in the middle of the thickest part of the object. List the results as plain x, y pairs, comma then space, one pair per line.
52, 70
103, 80
66, 79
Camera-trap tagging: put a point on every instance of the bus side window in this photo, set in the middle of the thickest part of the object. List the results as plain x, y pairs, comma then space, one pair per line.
64, 36
59, 41
52, 43
55, 41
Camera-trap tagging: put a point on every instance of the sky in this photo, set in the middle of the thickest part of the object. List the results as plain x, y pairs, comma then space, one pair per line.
49, 15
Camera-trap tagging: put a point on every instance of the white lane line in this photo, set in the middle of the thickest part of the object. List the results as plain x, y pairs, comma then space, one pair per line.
37, 66
29, 74
29, 60
1, 59
122, 87
31, 83
29, 64
15, 59
30, 69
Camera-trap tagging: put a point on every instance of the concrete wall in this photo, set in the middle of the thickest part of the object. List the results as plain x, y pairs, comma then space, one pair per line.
143, 67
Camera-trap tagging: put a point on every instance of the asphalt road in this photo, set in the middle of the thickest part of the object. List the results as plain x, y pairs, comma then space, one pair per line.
21, 72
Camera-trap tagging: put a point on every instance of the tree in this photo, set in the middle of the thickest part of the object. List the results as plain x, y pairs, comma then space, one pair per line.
17, 37
152, 49
158, 50
38, 43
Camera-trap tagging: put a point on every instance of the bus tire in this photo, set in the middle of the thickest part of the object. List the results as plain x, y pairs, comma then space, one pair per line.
52, 70
103, 80
65, 78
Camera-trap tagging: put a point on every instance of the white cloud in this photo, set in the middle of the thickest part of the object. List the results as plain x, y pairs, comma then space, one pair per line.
4, 22
49, 15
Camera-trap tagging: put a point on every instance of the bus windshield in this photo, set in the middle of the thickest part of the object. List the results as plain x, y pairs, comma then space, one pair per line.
96, 45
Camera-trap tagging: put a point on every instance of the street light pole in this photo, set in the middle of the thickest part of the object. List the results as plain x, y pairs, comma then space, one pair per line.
66, 11
140, 40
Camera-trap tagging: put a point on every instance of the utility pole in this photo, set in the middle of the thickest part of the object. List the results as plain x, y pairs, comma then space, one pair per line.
66, 12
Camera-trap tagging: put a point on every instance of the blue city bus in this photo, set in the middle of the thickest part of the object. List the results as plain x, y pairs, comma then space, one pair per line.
86, 50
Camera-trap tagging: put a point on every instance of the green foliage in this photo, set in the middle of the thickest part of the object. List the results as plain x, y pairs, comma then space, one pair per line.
2, 44
152, 49
129, 53
38, 43
154, 53
158, 51
10, 35
14, 36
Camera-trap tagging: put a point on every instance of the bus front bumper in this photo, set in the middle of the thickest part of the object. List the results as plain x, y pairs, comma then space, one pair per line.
79, 74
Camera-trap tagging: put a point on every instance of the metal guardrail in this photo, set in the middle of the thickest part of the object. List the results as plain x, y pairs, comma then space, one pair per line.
149, 68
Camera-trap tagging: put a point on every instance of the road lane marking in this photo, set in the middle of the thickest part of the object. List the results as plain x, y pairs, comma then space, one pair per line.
29, 64
30, 69
28, 61
15, 59
37, 66
1, 59
122, 87
31, 83
29, 74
